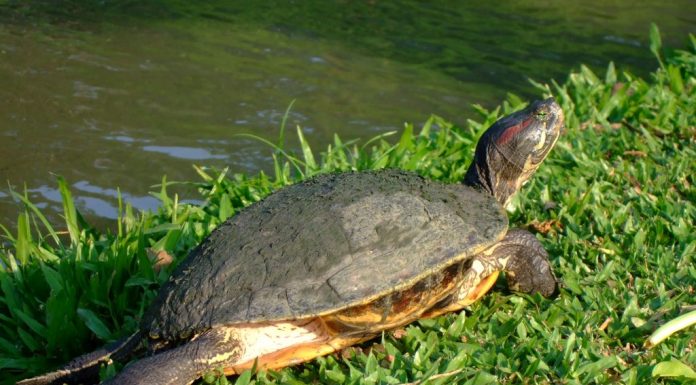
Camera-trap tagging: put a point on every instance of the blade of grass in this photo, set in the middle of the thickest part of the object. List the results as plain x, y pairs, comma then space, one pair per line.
69, 211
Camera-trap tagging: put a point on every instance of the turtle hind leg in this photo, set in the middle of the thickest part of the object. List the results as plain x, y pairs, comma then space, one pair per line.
85, 368
528, 270
182, 365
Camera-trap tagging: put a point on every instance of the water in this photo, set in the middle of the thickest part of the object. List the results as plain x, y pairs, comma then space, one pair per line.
119, 98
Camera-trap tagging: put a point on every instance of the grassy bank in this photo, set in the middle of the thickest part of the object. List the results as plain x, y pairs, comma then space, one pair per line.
613, 205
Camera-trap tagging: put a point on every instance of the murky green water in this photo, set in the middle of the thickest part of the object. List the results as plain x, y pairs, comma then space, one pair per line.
134, 94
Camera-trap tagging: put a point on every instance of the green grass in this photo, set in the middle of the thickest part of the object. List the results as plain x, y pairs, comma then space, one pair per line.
613, 204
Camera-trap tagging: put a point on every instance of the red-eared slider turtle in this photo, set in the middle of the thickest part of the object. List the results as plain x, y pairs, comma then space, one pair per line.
335, 260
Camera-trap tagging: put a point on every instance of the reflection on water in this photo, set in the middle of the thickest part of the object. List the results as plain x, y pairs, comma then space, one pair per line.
122, 101
98, 201
182, 152
123, 138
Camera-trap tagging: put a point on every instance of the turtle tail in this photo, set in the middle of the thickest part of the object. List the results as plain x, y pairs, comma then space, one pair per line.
85, 369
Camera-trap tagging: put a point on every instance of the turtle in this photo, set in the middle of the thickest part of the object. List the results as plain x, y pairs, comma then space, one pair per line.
336, 260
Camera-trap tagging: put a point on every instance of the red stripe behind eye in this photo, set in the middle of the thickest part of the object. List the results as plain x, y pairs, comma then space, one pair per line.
510, 132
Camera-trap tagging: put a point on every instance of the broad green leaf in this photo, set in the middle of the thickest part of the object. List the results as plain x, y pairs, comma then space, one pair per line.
226, 208
656, 42
94, 323
244, 378
673, 368
69, 211
53, 278
310, 163
610, 77
671, 327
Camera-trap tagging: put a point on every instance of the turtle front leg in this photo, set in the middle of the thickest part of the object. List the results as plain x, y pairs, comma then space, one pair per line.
520, 255
184, 364
528, 269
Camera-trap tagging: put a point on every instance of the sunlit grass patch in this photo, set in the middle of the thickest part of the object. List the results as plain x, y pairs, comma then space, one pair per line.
613, 205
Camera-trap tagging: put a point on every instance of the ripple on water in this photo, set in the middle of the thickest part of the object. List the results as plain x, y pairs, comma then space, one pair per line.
120, 138
96, 61
100, 202
98, 206
622, 40
47, 192
181, 152
83, 90
137, 201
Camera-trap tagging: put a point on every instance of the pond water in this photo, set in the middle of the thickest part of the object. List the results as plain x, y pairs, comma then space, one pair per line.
117, 97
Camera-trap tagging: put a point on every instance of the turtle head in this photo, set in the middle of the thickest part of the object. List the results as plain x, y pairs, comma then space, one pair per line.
510, 150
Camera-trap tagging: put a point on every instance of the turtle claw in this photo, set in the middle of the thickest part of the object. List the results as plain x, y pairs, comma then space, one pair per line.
529, 270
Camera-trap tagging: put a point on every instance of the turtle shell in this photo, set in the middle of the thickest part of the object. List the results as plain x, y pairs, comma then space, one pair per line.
323, 245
